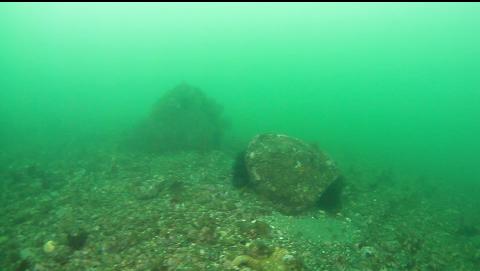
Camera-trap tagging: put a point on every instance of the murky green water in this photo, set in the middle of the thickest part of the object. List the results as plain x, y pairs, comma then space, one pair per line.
396, 83
381, 86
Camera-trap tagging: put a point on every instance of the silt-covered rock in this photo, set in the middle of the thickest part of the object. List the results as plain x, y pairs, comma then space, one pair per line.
183, 119
288, 171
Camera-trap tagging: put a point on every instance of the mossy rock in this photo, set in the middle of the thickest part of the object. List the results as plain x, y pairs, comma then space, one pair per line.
288, 171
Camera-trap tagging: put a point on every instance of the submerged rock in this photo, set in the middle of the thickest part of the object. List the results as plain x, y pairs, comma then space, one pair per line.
278, 260
184, 118
288, 171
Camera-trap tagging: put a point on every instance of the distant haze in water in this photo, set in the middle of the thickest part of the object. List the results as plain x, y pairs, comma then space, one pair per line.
387, 84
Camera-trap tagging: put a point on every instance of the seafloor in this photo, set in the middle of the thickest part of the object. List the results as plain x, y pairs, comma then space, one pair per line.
109, 210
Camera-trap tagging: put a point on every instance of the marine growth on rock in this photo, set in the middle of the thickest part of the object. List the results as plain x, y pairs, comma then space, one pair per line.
287, 171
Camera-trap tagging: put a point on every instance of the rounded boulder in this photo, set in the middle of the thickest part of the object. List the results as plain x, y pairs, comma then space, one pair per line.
288, 171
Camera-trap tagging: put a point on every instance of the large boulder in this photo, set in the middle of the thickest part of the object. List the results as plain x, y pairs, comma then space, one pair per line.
288, 171
183, 119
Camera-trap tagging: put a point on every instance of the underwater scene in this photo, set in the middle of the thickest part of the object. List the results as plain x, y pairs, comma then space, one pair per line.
239, 136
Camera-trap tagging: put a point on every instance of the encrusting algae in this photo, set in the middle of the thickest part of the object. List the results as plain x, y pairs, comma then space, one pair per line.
279, 260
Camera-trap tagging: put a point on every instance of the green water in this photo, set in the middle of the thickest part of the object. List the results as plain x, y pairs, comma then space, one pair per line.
397, 83
387, 85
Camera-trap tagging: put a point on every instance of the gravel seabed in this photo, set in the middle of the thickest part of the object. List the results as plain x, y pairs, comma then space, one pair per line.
181, 212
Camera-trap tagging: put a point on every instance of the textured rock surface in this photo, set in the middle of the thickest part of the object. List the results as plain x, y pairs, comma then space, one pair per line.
288, 171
